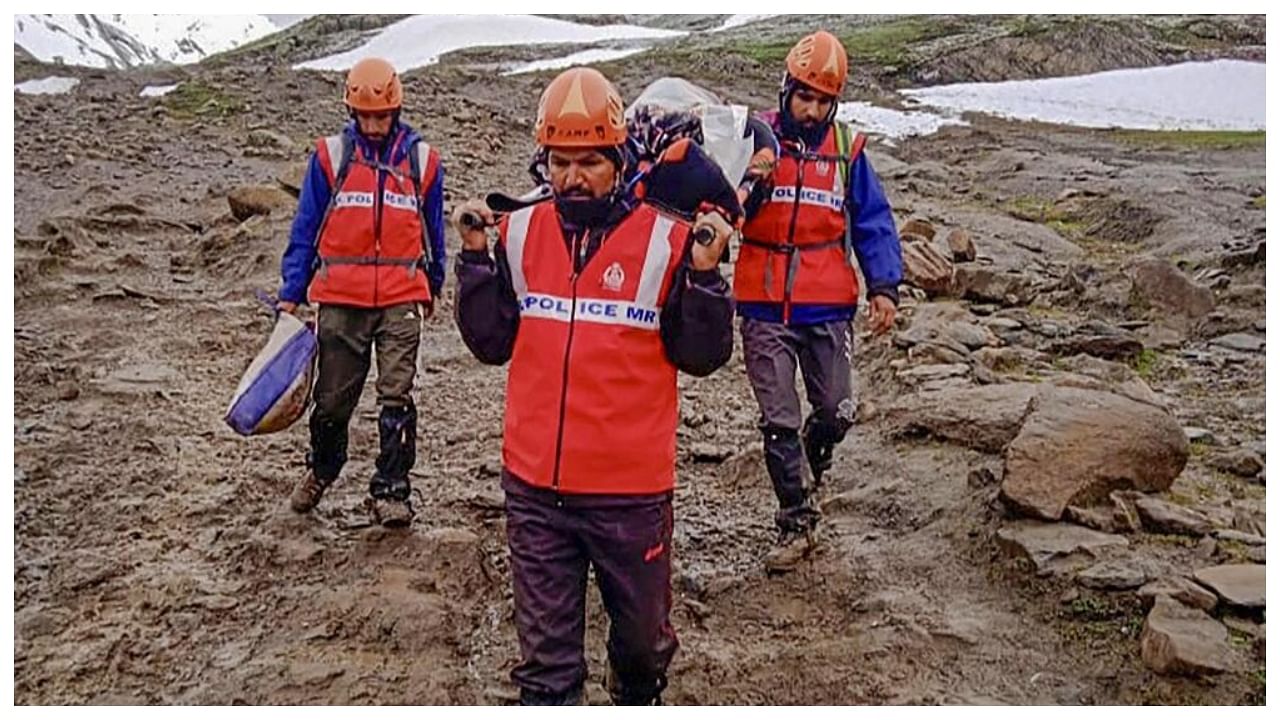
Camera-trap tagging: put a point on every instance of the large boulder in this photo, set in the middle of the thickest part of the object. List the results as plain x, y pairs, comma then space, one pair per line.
1161, 284
253, 200
984, 418
926, 267
1077, 446
1181, 640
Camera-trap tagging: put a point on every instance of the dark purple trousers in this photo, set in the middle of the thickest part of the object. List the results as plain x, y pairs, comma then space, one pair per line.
553, 538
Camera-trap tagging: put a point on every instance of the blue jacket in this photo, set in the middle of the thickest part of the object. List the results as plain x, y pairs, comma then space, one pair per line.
299, 261
875, 244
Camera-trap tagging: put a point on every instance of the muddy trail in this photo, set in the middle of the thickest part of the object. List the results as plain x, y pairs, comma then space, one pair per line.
156, 560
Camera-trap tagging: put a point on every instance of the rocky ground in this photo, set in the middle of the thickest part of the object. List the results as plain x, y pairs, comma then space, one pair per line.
1055, 492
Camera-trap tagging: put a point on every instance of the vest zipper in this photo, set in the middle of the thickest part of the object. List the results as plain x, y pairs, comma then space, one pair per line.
791, 235
564, 378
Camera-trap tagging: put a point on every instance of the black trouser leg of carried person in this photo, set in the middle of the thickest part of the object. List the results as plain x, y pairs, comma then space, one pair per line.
347, 337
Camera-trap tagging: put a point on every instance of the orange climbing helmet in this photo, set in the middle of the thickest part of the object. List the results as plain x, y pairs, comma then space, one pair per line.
582, 109
373, 86
819, 61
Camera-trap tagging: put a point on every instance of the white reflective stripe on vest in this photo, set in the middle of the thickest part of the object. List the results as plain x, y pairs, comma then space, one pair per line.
353, 199
605, 312
643, 312
399, 202
517, 232
424, 152
334, 144
655, 263
809, 196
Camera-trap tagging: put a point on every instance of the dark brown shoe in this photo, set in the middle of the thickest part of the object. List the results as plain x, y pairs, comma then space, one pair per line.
392, 513
307, 493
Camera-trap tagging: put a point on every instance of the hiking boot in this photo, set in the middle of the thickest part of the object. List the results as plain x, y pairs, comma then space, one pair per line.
793, 547
391, 513
307, 493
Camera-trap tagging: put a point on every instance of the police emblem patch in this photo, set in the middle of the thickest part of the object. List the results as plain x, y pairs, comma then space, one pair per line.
613, 277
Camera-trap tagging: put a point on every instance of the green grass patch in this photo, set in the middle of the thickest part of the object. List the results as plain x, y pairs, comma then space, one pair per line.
1194, 139
882, 44
1144, 363
194, 98
1030, 208
1259, 202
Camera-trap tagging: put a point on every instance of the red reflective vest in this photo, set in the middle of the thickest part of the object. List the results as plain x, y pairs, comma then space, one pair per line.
370, 248
591, 396
794, 248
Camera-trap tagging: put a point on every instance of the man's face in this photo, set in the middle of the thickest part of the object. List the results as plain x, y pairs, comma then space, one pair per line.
582, 173
374, 125
810, 107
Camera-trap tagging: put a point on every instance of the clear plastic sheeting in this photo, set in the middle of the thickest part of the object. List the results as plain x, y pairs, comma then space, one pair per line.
723, 125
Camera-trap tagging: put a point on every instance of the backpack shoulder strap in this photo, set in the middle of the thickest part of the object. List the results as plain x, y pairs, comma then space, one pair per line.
343, 148
419, 164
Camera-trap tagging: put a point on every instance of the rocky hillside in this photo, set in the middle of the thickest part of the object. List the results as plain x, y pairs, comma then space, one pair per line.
1055, 492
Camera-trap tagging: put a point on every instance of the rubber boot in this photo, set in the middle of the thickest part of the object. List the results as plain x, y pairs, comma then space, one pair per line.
389, 488
325, 459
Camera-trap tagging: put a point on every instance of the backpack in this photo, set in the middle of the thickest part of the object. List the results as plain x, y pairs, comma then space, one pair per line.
418, 154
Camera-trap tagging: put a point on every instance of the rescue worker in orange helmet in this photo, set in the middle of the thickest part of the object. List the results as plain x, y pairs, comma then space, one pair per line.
795, 285
597, 299
367, 247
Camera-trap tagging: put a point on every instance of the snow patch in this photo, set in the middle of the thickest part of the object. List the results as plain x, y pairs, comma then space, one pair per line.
734, 21
584, 57
1215, 95
421, 40
54, 85
128, 40
893, 124
158, 90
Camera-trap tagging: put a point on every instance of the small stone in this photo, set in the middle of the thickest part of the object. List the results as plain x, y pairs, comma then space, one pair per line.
1240, 537
1240, 342
1239, 585
1200, 435
962, 247
708, 453
919, 226
68, 391
1165, 517
1206, 548
1243, 463
1101, 519
1181, 589
1055, 547
1112, 575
